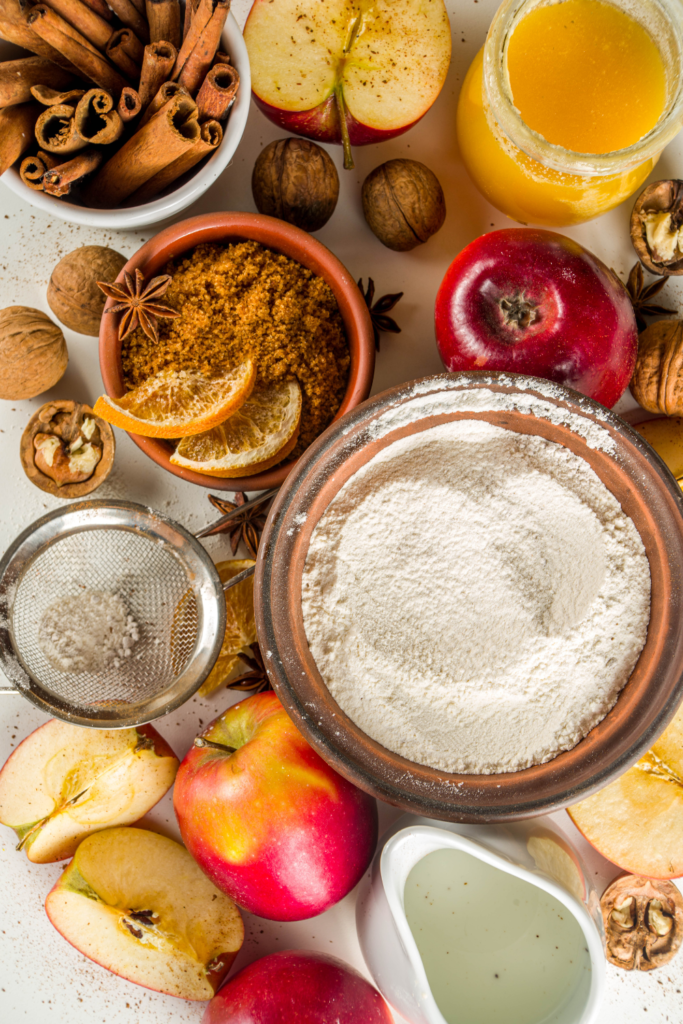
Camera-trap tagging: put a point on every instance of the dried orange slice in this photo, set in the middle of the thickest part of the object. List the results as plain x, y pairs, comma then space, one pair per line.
240, 628
178, 403
258, 436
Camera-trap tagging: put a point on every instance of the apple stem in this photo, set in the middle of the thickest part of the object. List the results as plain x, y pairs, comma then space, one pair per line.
346, 141
201, 742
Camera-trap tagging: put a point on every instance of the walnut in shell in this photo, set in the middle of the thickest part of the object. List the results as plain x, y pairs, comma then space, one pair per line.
643, 920
33, 353
296, 181
73, 295
657, 382
657, 227
403, 203
66, 450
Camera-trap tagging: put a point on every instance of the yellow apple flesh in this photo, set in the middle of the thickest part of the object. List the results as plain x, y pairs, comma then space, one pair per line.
637, 821
64, 782
137, 903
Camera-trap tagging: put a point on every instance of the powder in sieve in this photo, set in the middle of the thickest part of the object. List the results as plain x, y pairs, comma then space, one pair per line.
87, 632
475, 598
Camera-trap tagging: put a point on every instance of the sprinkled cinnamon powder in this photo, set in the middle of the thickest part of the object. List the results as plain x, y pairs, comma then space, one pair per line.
242, 299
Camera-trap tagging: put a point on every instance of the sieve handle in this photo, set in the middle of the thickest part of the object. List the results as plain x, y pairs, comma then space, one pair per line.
244, 575
261, 500
8, 688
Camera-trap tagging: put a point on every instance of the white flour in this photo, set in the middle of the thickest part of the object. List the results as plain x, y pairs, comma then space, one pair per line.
87, 632
475, 598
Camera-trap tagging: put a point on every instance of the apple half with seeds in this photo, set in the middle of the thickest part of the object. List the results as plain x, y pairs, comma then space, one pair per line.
137, 903
637, 821
65, 781
347, 71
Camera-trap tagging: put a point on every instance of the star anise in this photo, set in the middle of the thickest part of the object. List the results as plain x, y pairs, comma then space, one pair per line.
255, 680
247, 527
137, 301
378, 311
641, 296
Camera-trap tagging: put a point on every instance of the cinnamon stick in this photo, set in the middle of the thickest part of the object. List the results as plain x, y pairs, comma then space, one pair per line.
164, 21
17, 77
21, 34
131, 17
33, 168
190, 8
60, 180
217, 92
221, 57
122, 49
139, 6
56, 130
100, 8
16, 132
49, 97
96, 120
92, 65
201, 17
171, 132
211, 136
129, 105
201, 58
157, 64
167, 91
90, 25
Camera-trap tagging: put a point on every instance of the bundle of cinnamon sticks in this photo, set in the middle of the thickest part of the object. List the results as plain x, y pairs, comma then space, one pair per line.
121, 99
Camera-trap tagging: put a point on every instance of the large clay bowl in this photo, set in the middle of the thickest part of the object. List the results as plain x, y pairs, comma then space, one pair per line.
281, 237
647, 493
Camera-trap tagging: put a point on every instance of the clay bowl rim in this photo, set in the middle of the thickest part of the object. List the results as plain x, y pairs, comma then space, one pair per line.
275, 234
646, 704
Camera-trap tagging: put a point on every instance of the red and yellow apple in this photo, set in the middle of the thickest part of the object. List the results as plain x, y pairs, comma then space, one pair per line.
268, 821
136, 903
637, 821
347, 71
298, 987
63, 782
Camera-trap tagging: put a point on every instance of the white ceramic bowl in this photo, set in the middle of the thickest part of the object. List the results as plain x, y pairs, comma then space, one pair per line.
179, 199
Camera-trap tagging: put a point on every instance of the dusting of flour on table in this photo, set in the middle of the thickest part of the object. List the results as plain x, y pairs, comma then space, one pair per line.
475, 599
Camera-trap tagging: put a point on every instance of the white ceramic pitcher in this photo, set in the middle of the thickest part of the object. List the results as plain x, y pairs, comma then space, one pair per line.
534, 852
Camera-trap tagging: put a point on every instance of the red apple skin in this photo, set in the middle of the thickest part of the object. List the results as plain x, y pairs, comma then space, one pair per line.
583, 333
298, 987
272, 825
322, 123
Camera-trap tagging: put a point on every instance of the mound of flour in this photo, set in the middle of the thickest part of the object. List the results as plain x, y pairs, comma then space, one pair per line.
475, 598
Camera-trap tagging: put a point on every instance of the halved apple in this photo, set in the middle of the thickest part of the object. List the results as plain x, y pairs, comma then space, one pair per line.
637, 821
63, 782
349, 71
137, 903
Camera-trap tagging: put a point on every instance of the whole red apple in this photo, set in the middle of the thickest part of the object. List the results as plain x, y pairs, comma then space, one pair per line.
298, 987
345, 72
269, 822
529, 301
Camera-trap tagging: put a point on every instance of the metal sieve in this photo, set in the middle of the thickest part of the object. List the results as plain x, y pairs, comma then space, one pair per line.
166, 580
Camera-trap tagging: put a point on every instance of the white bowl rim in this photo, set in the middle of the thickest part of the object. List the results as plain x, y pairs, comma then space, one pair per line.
167, 206
435, 838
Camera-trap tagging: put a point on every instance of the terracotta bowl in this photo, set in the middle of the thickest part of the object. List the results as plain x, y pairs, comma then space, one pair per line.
281, 237
648, 494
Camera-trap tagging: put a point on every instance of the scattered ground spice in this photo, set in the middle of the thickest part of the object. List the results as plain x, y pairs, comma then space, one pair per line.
243, 299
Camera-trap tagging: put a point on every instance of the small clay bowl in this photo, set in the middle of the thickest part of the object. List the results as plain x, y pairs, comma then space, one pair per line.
37, 425
647, 492
281, 237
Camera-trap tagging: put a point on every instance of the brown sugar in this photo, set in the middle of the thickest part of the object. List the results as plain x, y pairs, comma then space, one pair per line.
244, 300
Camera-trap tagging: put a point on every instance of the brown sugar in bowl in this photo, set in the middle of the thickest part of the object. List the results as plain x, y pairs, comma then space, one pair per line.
284, 238
648, 494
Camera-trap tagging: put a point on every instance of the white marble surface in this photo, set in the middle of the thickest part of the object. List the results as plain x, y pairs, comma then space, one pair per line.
43, 979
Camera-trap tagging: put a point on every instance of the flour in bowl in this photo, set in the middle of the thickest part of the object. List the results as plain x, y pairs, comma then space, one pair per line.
475, 599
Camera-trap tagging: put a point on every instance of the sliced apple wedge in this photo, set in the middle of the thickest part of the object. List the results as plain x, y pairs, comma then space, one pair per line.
137, 903
637, 821
63, 782
347, 71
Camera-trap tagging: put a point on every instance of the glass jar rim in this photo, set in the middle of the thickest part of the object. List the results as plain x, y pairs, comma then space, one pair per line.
499, 96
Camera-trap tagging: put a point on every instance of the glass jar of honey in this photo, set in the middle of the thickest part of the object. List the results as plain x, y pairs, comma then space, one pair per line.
567, 107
